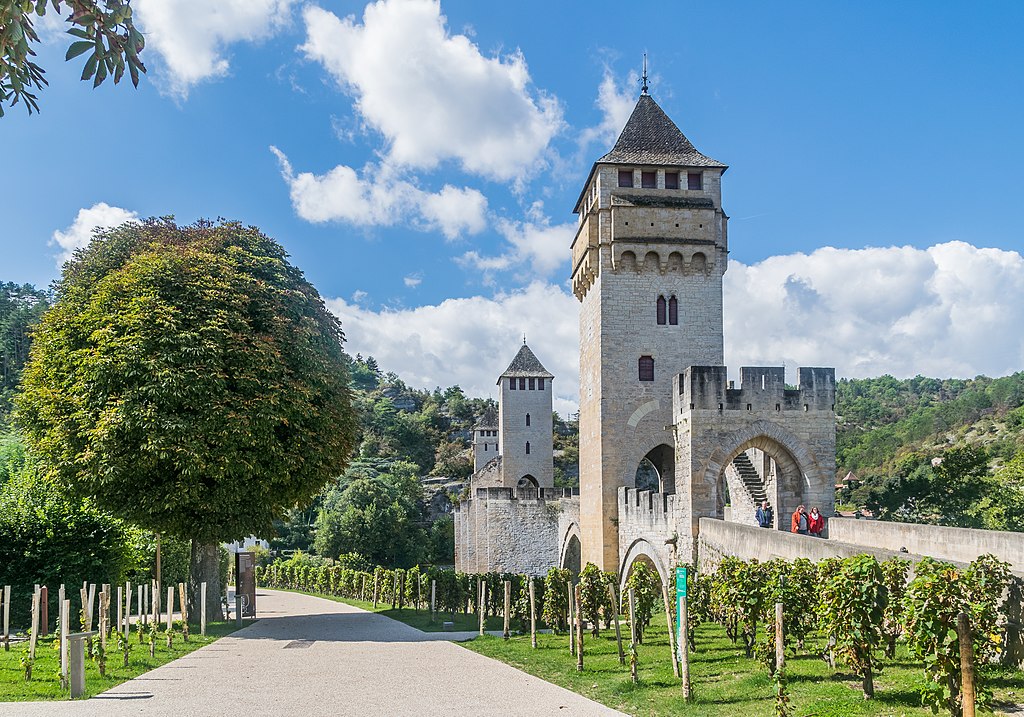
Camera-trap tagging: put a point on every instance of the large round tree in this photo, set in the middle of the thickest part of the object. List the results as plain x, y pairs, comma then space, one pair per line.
190, 380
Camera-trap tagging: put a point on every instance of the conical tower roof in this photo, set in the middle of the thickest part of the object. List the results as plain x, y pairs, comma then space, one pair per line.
650, 137
525, 364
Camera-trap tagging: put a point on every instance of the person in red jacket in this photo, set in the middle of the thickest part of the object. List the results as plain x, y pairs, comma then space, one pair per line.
798, 521
815, 523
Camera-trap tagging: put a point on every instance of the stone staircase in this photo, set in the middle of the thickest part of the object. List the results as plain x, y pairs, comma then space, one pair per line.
751, 478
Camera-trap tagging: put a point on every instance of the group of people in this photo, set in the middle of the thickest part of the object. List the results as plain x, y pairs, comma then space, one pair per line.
801, 521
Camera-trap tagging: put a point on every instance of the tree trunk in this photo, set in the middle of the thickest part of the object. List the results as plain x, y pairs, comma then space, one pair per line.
204, 566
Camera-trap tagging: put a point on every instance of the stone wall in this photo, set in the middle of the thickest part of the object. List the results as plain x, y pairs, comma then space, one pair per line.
504, 530
960, 545
648, 525
513, 408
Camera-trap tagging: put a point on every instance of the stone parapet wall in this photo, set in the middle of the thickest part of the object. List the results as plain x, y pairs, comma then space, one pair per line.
505, 530
649, 524
960, 545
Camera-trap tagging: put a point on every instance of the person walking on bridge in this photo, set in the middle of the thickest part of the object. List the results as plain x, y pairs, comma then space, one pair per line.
764, 515
798, 523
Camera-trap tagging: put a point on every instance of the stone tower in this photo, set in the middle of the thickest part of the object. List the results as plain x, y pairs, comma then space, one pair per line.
485, 439
647, 266
524, 422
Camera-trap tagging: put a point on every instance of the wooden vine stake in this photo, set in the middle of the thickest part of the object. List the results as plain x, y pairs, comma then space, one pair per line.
572, 622
967, 693
533, 614
482, 594
7, 618
433, 599
202, 608
579, 630
120, 607
35, 624
615, 620
170, 608
633, 657
508, 607
780, 639
671, 631
684, 646
184, 612
44, 611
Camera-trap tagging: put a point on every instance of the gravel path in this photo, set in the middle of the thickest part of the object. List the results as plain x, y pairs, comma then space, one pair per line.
309, 656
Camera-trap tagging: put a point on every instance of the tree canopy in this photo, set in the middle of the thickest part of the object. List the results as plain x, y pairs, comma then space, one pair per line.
188, 379
103, 28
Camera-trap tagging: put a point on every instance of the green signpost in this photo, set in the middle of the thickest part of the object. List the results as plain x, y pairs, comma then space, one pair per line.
680, 590
682, 644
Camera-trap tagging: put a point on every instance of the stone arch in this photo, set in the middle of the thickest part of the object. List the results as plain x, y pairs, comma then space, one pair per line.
627, 262
797, 468
675, 261
528, 481
641, 550
571, 553
662, 458
698, 262
652, 262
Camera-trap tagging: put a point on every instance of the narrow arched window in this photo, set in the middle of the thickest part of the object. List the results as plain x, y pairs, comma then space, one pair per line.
511, 384
661, 311
527, 448
646, 368
527, 419
673, 311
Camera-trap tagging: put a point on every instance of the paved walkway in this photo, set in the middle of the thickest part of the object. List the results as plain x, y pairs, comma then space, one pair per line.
308, 656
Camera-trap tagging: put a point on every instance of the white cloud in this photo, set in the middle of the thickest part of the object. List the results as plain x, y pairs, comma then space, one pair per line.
470, 341
534, 242
433, 95
950, 310
79, 234
616, 104
378, 197
413, 280
191, 36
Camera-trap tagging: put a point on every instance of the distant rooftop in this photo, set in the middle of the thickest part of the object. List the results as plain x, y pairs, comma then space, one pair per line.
525, 364
489, 419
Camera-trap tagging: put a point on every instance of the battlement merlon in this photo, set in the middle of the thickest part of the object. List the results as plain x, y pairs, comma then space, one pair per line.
762, 388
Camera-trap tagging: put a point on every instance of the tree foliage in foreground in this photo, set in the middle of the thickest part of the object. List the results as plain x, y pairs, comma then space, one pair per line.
190, 380
104, 29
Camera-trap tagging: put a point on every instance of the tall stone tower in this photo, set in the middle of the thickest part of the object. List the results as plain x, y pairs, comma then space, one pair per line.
647, 265
524, 419
485, 439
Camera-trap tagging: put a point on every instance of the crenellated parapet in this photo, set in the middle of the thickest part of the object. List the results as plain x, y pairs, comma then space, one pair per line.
762, 389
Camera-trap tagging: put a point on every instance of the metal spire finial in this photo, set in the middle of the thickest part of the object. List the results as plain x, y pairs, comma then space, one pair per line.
643, 78
524, 339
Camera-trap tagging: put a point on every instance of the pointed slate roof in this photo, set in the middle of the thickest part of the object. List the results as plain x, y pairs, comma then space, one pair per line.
525, 364
650, 137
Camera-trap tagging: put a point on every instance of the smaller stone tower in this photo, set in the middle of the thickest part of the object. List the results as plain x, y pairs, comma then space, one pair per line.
485, 439
524, 422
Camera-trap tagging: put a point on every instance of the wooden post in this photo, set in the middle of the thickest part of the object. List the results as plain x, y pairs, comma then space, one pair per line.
156, 602
632, 637
120, 608
35, 624
671, 632
202, 608
780, 639
103, 620
967, 694
184, 611
579, 630
140, 617
508, 607
127, 609
376, 580
572, 622
533, 614
615, 620
170, 607
44, 611
65, 615
482, 595
394, 592
362, 588
684, 646
433, 599
7, 618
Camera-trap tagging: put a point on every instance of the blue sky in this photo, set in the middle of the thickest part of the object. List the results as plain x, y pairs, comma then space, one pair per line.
420, 163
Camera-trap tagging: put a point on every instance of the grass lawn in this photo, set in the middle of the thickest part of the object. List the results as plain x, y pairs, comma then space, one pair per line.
725, 682
45, 682
420, 619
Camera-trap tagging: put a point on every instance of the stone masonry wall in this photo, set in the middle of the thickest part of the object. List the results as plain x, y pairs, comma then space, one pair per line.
503, 530
515, 434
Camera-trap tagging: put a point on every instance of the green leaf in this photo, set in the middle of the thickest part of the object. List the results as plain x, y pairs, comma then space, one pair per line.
78, 48
90, 66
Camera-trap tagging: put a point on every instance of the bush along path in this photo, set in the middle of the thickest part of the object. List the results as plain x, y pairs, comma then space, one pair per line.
857, 637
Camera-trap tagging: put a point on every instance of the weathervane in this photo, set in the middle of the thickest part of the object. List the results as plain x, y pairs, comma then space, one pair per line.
524, 339
643, 79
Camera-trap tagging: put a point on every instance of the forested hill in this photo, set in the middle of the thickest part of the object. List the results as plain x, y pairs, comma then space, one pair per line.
881, 419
